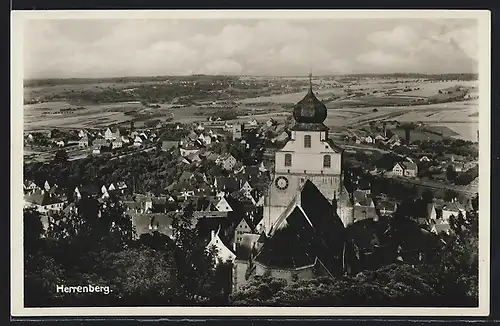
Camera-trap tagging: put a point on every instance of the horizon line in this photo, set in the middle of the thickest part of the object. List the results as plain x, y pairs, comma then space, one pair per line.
251, 75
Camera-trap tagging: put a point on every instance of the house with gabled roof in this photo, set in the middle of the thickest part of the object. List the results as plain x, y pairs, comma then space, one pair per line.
247, 225
223, 253
83, 142
43, 201
29, 187
406, 169
453, 208
246, 188
223, 205
111, 135
117, 143
253, 123
386, 207
138, 141
148, 223
227, 161
439, 228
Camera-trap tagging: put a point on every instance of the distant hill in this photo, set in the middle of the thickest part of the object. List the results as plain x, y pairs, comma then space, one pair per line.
59, 81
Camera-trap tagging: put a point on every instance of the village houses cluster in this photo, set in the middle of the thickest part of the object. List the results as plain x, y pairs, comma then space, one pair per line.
254, 210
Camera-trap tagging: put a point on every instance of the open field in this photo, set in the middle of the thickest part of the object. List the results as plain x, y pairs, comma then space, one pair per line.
292, 98
48, 115
466, 131
369, 95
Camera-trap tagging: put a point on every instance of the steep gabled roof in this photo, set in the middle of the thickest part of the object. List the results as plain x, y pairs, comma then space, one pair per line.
42, 198
227, 183
310, 230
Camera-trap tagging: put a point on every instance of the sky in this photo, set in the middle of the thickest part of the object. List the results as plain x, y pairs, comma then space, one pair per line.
92, 48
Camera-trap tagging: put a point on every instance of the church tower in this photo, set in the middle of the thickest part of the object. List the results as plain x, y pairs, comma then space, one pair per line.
308, 155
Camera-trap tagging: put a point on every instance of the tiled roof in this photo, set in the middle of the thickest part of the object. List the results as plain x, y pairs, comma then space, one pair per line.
453, 207
386, 205
42, 198
441, 227
409, 165
227, 183
364, 212
159, 222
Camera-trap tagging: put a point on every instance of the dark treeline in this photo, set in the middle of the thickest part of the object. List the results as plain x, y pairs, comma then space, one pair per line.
96, 247
131, 79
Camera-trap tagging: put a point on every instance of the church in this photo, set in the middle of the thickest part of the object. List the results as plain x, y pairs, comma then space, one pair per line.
306, 209
308, 155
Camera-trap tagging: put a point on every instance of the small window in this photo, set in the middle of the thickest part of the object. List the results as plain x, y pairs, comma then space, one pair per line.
288, 159
307, 141
327, 161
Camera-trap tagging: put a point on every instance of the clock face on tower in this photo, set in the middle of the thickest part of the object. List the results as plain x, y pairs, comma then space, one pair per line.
281, 183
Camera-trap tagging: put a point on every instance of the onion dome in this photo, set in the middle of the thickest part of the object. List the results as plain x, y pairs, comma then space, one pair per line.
310, 109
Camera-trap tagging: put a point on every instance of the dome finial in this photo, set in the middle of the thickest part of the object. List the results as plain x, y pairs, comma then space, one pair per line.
310, 81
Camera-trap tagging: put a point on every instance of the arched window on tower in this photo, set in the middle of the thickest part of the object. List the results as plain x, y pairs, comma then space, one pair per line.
307, 141
327, 161
288, 159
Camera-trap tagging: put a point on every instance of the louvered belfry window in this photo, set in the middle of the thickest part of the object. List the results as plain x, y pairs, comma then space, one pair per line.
327, 161
307, 141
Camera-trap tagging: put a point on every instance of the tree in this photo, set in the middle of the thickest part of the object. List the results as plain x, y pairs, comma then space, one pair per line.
61, 156
392, 285
451, 174
475, 202
450, 195
195, 264
33, 229
427, 196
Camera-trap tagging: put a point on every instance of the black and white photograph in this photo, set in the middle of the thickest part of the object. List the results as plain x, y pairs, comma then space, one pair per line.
320, 162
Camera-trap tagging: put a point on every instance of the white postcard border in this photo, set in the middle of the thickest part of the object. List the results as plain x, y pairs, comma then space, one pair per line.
17, 279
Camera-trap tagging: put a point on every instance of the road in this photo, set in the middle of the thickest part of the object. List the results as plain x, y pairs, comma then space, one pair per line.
81, 154
367, 148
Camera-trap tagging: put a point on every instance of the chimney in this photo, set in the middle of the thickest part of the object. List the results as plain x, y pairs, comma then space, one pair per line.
212, 234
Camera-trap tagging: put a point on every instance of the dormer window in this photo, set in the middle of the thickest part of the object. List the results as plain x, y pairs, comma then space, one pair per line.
307, 141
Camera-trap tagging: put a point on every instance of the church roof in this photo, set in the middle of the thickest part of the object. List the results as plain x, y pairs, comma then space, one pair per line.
310, 231
310, 110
